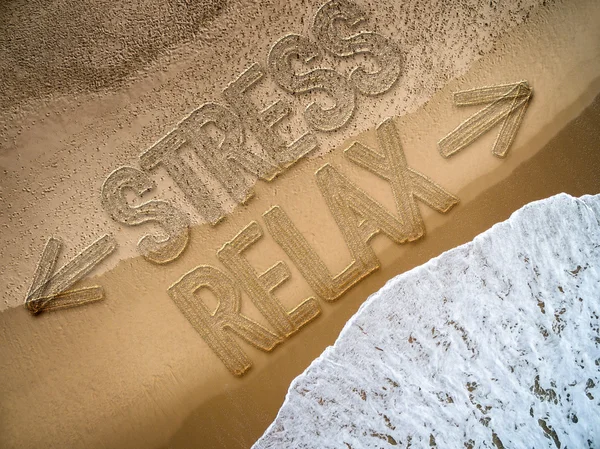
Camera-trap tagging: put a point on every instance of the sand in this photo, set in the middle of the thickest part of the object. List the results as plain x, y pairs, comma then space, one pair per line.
69, 47
57, 149
130, 371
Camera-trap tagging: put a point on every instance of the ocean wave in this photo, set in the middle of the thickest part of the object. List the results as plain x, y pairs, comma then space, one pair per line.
492, 344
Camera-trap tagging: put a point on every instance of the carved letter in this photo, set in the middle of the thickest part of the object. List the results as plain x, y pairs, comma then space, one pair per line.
261, 123
326, 80
173, 222
214, 327
260, 287
407, 184
165, 152
225, 160
358, 216
384, 51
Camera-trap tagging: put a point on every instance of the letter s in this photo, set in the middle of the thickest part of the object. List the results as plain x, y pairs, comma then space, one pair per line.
385, 52
327, 80
174, 223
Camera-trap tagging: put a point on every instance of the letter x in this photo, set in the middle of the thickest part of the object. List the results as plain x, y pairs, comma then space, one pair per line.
406, 183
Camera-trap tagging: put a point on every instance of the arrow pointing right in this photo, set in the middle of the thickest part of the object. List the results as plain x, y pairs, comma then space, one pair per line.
508, 103
49, 292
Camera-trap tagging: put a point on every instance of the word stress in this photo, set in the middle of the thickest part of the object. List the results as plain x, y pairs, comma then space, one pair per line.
356, 215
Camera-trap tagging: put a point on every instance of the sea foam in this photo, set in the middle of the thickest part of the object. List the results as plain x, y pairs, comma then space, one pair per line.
492, 344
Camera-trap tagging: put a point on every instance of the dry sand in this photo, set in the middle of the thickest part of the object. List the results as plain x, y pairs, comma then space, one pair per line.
130, 371
75, 46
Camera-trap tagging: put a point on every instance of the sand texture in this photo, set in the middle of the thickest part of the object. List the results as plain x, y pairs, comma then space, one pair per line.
88, 87
493, 343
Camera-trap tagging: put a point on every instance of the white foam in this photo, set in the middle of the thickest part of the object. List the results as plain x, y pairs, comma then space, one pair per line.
459, 349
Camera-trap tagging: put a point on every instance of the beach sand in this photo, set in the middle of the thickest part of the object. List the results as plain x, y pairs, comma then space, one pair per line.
130, 371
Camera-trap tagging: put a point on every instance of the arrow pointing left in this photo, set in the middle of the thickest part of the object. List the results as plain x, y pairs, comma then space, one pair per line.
49, 289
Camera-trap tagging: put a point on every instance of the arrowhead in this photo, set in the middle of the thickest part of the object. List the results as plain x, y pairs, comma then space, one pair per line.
507, 104
50, 291
71, 298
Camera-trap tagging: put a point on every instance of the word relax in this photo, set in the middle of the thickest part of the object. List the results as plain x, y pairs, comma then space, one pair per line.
359, 218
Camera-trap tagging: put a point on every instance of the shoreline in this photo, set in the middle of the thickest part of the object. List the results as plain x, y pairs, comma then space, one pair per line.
278, 368
451, 234
130, 371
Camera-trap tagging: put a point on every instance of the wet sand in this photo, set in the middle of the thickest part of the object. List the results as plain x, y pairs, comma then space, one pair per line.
569, 163
236, 418
131, 372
